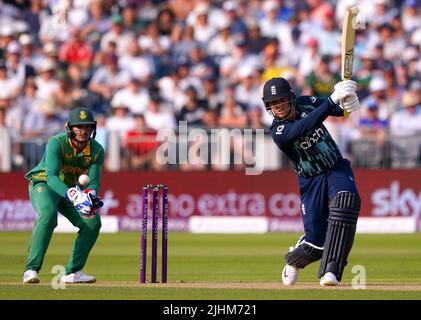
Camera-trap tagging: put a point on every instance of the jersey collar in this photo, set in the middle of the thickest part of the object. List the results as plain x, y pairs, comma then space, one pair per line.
86, 151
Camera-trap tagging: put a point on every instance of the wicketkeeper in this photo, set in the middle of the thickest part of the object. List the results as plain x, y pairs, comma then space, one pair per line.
329, 197
53, 188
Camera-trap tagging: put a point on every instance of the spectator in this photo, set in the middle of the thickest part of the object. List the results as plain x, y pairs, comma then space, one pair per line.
321, 81
120, 121
131, 19
134, 96
405, 130
46, 81
8, 85
406, 122
194, 108
109, 78
232, 115
372, 127
158, 116
118, 35
138, 65
378, 96
141, 144
76, 51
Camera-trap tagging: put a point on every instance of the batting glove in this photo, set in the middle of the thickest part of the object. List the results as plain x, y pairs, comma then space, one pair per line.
343, 89
81, 201
350, 103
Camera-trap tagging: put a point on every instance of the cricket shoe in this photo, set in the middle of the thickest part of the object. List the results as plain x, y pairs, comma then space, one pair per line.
329, 280
30, 276
78, 277
289, 275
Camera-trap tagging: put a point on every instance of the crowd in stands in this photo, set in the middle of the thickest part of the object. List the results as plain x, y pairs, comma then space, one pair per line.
147, 64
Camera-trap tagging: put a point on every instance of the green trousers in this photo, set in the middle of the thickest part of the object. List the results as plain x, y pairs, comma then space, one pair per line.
47, 203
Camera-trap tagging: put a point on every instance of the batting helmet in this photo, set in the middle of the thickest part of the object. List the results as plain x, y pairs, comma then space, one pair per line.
277, 88
80, 116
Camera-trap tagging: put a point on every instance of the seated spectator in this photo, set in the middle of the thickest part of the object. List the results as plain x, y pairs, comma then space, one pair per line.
405, 130
44, 123
255, 118
141, 144
194, 108
134, 96
321, 80
138, 65
46, 81
118, 35
369, 149
76, 51
406, 122
17, 69
120, 121
157, 116
26, 103
66, 94
232, 114
378, 96
7, 84
109, 78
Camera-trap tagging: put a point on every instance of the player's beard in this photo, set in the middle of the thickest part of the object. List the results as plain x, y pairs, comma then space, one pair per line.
81, 138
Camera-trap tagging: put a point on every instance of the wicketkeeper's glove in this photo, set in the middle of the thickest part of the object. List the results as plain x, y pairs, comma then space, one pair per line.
81, 201
96, 201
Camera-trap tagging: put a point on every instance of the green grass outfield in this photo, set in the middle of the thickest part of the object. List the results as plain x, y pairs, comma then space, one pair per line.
208, 267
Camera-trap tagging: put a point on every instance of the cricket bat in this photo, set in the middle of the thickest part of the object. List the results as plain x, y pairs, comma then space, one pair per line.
348, 41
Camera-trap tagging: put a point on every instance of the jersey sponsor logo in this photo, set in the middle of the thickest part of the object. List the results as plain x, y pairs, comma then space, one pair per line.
279, 129
83, 115
311, 139
313, 99
72, 170
273, 90
303, 209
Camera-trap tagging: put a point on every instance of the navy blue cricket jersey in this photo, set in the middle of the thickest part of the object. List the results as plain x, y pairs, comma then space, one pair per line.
306, 140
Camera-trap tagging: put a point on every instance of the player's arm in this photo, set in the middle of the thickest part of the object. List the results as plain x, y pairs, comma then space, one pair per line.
287, 132
95, 170
317, 102
53, 163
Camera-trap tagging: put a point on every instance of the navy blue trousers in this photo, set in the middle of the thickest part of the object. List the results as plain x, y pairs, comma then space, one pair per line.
316, 194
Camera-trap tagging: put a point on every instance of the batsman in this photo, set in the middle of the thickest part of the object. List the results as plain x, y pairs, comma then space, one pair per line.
53, 188
330, 201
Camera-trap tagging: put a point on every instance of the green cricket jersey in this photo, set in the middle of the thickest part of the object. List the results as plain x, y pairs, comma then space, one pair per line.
61, 165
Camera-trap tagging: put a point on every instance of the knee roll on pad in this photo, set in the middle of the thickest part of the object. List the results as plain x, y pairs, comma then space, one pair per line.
303, 255
344, 210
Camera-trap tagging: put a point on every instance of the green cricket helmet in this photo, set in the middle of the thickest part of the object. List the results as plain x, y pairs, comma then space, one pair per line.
80, 116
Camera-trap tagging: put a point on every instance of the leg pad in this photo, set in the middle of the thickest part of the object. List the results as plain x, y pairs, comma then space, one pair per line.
342, 225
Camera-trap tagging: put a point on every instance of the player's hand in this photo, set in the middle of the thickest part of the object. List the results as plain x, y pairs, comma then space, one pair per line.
350, 103
343, 89
96, 200
81, 201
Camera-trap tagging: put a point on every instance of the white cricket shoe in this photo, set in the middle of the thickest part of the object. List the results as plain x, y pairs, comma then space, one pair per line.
289, 275
78, 277
30, 276
329, 279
